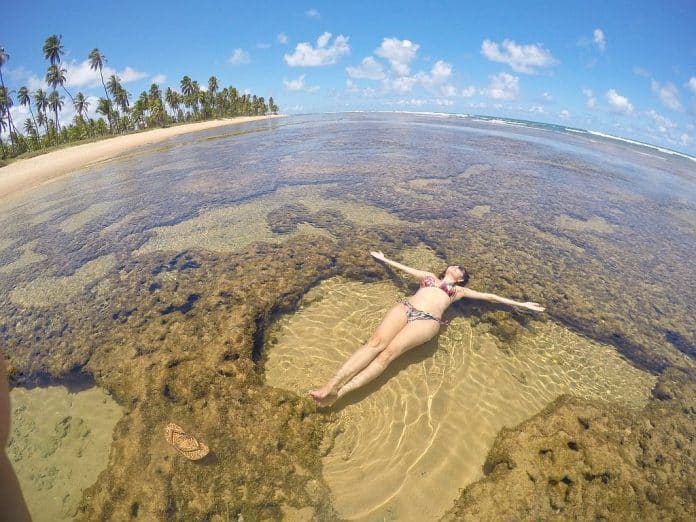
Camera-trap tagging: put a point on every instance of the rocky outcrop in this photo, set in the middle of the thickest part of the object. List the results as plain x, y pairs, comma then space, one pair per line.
580, 460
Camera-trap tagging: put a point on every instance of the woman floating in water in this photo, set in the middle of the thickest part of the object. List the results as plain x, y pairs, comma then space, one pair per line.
406, 325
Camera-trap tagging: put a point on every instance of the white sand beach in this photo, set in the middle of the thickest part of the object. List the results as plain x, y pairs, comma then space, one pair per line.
28, 173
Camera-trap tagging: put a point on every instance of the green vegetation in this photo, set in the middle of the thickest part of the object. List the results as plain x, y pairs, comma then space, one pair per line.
151, 109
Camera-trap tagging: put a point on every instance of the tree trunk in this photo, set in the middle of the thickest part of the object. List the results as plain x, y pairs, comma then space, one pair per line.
108, 116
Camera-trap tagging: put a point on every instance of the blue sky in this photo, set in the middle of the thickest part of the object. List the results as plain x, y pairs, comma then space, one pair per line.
623, 68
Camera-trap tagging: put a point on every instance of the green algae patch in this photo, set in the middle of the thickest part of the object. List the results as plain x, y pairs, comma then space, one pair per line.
232, 228
80, 219
28, 257
59, 444
595, 224
50, 291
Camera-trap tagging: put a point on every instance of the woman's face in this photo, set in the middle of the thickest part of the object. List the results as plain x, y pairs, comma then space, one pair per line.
455, 272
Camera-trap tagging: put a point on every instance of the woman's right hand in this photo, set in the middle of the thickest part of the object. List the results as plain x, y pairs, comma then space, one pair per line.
378, 255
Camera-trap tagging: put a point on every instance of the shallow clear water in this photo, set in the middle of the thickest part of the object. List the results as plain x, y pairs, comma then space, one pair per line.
401, 448
123, 269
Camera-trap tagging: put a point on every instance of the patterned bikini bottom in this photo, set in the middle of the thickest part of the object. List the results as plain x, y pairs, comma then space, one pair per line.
414, 314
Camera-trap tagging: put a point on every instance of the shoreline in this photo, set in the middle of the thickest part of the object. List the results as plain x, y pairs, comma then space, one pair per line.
26, 174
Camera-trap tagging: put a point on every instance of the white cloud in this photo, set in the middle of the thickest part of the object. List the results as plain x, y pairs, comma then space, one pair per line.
351, 86
591, 101
369, 69
400, 53
307, 56
668, 94
299, 85
598, 39
23, 76
660, 122
239, 57
312, 13
522, 58
34, 82
502, 86
619, 103
564, 114
159, 78
400, 84
263, 45
445, 101
435, 82
537, 108
80, 75
469, 91
282, 38
692, 84
448, 90
640, 71
413, 102
547, 97
129, 74
686, 140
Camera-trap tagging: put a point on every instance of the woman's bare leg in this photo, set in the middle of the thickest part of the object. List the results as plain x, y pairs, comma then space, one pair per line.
413, 334
392, 323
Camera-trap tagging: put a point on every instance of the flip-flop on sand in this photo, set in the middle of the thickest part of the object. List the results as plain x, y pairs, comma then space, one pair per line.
186, 444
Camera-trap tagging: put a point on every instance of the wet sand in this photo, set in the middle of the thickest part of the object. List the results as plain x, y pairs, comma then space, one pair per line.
28, 173
59, 443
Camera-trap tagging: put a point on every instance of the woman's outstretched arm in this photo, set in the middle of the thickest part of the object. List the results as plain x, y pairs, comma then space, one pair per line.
420, 274
492, 298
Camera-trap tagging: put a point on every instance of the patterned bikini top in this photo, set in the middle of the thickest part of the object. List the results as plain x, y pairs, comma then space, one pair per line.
448, 288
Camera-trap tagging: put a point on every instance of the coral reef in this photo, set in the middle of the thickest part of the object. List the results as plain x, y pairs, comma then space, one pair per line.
162, 297
583, 460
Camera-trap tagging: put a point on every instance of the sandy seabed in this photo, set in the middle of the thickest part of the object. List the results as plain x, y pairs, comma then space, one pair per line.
28, 173
59, 444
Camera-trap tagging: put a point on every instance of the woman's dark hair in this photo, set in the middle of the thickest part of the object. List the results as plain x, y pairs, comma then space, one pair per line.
465, 277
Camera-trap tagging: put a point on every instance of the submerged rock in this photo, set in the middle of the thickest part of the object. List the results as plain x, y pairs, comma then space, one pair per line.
583, 460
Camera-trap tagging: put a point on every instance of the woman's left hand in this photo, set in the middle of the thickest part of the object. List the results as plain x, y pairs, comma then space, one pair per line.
533, 306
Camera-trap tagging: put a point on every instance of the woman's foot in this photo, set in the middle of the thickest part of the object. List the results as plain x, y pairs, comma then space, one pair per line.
324, 396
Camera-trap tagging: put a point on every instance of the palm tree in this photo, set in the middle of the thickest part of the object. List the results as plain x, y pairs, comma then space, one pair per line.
41, 102
187, 91
120, 97
24, 99
30, 128
172, 99
81, 105
195, 95
52, 48
186, 86
41, 120
55, 76
5, 106
103, 106
213, 89
4, 58
55, 103
97, 61
3, 128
